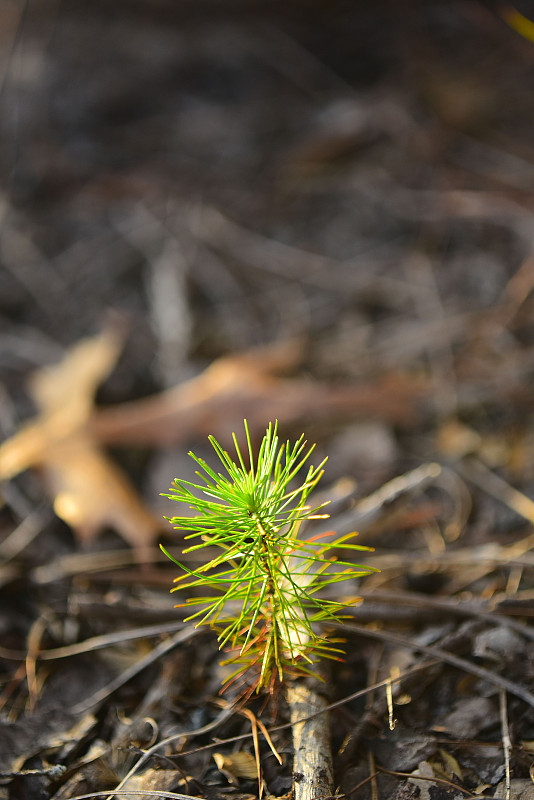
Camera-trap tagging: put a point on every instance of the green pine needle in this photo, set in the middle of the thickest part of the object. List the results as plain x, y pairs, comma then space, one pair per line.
259, 593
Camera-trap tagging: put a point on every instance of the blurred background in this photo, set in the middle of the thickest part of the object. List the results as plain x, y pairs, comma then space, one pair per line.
355, 178
234, 174
345, 186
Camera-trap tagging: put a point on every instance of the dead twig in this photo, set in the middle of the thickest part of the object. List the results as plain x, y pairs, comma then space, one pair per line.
313, 774
433, 779
124, 677
24, 534
368, 509
442, 655
136, 793
95, 642
478, 473
34, 641
447, 606
360, 693
506, 742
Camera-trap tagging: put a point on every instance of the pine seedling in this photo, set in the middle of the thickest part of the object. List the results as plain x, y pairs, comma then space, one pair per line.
261, 590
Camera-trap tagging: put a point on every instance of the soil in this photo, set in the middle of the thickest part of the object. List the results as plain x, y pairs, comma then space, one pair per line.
314, 212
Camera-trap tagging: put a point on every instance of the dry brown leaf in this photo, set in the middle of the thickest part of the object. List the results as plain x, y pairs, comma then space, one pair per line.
63, 394
237, 765
151, 781
92, 493
451, 766
89, 491
69, 387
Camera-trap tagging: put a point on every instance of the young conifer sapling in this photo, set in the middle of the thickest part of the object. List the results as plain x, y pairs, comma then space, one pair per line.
262, 591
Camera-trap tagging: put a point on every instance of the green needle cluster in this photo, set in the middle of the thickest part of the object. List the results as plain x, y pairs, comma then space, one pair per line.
261, 589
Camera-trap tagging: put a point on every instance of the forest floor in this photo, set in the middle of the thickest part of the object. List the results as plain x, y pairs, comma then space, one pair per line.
320, 213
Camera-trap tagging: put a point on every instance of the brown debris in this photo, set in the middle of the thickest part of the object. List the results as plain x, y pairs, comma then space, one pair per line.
88, 490
245, 386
